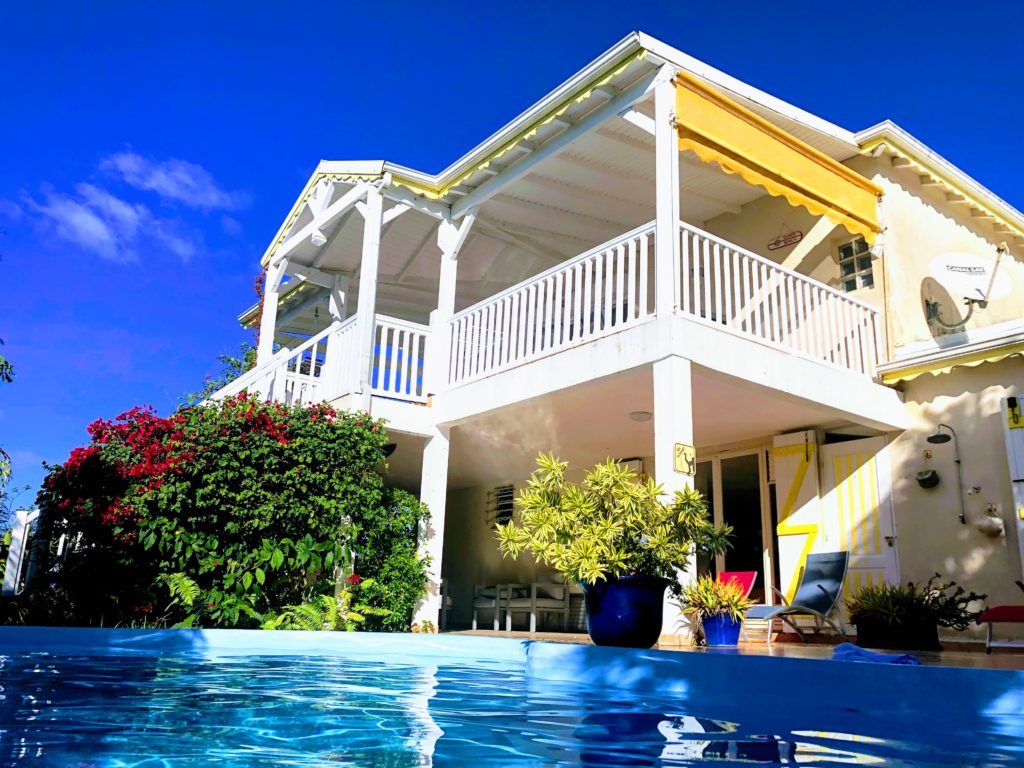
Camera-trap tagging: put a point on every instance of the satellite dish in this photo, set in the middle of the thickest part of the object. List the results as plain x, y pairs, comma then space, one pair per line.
970, 276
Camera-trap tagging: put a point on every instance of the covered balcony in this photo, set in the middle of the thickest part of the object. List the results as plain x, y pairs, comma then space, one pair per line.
519, 258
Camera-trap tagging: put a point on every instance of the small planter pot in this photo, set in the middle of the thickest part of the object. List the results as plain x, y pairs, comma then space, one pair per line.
720, 631
877, 633
625, 611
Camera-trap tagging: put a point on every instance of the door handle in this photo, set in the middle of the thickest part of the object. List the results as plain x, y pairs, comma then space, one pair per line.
890, 540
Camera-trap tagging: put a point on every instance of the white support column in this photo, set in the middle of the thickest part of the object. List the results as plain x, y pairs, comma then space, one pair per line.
450, 239
673, 426
268, 318
337, 307
433, 493
666, 159
372, 211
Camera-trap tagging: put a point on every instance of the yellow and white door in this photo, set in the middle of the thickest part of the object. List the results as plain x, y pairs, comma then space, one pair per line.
858, 511
831, 498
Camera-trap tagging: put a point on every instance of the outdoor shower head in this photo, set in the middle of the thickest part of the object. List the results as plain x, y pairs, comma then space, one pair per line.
944, 437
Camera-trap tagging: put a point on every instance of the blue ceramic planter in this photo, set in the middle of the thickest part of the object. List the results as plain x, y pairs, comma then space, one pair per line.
720, 630
625, 611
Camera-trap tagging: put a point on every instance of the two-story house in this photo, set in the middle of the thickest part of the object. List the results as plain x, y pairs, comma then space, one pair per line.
659, 263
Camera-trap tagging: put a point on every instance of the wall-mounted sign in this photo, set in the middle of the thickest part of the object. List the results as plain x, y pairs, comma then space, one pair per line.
968, 275
785, 240
685, 459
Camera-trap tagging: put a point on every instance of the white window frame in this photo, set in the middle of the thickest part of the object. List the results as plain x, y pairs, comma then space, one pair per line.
859, 275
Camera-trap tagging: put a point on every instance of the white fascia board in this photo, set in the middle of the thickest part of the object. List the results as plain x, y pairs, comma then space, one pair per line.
902, 141
352, 167
726, 82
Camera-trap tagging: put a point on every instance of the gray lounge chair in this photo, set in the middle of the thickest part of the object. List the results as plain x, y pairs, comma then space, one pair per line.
817, 596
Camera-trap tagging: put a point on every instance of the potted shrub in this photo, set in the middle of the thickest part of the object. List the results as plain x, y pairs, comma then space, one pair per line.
614, 534
716, 608
908, 618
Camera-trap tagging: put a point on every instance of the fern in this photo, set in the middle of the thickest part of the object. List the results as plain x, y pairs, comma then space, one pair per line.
184, 591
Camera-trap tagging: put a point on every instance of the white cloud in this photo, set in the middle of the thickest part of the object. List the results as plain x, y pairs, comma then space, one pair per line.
173, 180
76, 222
103, 224
231, 226
10, 210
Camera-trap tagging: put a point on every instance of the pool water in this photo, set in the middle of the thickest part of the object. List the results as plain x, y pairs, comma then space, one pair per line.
95, 712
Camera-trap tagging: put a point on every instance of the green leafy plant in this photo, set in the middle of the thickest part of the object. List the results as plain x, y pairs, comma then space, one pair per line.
709, 597
612, 524
342, 611
258, 505
943, 603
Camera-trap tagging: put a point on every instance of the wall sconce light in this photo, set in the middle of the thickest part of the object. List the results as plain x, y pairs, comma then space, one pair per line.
939, 438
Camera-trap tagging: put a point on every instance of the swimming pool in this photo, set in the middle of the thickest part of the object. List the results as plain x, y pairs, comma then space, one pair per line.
123, 698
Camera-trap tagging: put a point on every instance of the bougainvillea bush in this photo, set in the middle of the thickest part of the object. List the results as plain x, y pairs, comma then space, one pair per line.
227, 514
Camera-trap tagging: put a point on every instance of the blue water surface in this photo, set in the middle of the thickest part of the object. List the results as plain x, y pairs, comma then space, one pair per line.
97, 712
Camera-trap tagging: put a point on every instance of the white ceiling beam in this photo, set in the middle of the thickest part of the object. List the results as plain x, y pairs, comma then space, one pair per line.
291, 314
428, 237
393, 213
639, 119
326, 247
400, 194
502, 234
611, 108
312, 274
333, 211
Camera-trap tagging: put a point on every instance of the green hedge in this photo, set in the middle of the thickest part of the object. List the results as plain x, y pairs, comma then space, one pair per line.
260, 506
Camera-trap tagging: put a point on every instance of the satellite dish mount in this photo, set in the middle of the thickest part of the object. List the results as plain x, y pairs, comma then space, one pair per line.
932, 311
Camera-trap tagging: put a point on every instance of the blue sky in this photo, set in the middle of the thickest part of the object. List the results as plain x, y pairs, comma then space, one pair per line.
147, 155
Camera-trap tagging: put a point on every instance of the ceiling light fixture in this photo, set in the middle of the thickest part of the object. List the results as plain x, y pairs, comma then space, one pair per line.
640, 415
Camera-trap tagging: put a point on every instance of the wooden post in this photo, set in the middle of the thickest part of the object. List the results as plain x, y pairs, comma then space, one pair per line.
666, 172
433, 493
268, 318
372, 212
673, 433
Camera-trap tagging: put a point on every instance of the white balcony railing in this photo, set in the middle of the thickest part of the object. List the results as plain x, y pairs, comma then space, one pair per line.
326, 366
399, 351
723, 284
589, 296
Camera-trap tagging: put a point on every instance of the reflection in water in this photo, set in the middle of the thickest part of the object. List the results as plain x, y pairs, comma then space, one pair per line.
261, 711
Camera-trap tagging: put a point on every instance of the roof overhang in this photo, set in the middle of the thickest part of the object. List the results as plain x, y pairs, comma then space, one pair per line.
437, 193
907, 151
944, 360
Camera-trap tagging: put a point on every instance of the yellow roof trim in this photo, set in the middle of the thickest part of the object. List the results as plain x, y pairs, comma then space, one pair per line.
922, 168
438, 193
945, 365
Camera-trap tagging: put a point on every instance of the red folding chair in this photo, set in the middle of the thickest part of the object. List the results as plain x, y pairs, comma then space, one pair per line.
743, 579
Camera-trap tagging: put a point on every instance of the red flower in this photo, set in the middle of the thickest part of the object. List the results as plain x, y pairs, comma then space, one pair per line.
210, 605
355, 578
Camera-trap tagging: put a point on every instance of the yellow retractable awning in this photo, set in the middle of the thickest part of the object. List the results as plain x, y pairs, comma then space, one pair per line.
718, 130
947, 364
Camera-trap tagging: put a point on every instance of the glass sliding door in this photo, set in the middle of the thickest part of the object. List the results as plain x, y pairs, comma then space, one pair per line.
735, 486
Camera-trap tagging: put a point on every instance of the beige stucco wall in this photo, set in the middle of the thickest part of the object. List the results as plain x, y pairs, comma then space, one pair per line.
920, 225
930, 536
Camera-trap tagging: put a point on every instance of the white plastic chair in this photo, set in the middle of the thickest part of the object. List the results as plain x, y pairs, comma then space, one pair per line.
488, 598
535, 599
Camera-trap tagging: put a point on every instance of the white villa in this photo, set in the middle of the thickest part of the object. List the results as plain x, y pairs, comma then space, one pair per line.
661, 264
